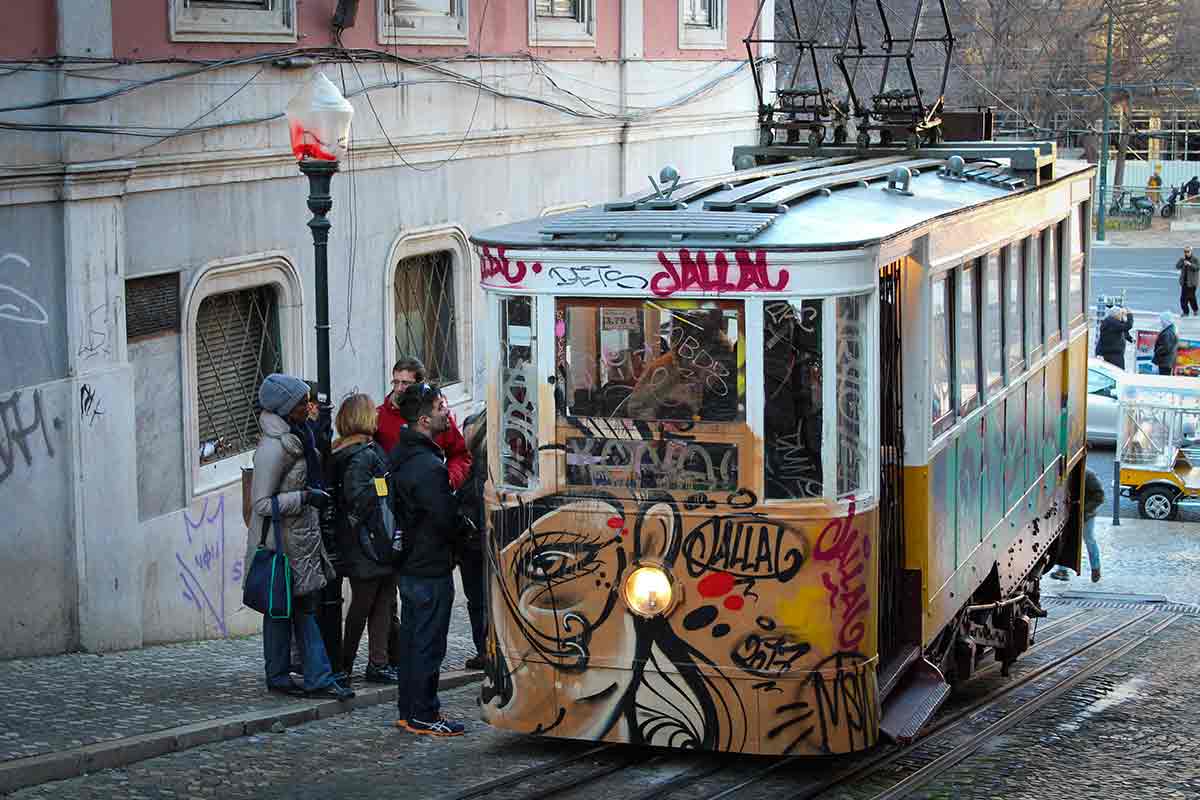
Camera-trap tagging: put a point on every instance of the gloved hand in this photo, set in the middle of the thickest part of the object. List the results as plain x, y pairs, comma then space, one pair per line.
317, 498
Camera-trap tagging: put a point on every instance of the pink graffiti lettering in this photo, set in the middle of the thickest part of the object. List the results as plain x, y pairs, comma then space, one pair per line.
841, 544
693, 273
491, 266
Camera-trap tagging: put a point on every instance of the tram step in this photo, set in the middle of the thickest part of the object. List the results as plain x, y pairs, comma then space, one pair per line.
920, 694
891, 672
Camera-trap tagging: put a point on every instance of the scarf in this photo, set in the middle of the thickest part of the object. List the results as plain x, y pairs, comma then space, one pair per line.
307, 435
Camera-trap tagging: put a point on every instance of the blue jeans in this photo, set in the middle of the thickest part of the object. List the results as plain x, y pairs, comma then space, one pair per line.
424, 625
1089, 540
470, 567
277, 650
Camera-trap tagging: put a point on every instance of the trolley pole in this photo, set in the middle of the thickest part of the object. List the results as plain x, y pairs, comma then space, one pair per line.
1104, 136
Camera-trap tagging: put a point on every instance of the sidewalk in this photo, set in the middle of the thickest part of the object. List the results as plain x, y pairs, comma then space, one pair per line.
1140, 557
1159, 235
62, 716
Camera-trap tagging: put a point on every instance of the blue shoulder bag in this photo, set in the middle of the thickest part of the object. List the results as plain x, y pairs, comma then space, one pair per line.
268, 587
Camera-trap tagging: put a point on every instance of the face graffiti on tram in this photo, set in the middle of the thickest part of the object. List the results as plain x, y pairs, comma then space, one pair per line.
607, 673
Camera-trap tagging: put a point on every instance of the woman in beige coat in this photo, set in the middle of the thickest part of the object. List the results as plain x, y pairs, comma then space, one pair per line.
287, 476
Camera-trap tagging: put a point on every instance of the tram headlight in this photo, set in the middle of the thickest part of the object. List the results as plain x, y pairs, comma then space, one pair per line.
649, 592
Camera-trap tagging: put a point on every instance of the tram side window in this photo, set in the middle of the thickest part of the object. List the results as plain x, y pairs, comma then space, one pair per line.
993, 342
1031, 255
968, 337
518, 392
940, 356
792, 396
1075, 301
1014, 310
852, 457
1050, 267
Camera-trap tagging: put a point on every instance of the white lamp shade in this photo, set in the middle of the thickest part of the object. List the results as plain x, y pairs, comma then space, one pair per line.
319, 121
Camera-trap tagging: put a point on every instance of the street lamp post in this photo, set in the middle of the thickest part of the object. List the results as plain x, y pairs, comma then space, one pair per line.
319, 124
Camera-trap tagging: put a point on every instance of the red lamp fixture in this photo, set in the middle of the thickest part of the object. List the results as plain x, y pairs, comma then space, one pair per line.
319, 121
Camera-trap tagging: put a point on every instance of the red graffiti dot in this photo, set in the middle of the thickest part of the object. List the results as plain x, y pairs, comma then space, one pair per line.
734, 602
715, 585
537, 268
624, 531
616, 522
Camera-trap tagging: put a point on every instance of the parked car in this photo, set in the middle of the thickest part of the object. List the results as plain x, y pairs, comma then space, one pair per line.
1103, 386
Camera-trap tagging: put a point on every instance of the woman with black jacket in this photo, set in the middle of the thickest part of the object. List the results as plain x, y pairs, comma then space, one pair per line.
1114, 333
355, 464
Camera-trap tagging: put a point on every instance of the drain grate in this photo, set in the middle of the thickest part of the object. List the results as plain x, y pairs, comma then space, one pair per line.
1166, 608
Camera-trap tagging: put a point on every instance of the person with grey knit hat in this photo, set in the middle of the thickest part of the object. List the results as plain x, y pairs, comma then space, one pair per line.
1166, 345
287, 491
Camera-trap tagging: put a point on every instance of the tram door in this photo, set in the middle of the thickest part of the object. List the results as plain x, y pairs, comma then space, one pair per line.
892, 629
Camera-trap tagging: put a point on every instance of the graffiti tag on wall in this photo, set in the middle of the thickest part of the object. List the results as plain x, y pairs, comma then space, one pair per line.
204, 571
23, 433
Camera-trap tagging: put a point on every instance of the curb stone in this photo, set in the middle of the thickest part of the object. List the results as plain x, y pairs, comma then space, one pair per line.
24, 772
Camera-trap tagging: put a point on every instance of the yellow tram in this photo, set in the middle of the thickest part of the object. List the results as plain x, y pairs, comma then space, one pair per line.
777, 456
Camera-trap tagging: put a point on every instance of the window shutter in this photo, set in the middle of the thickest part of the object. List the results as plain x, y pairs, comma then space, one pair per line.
151, 305
241, 5
237, 345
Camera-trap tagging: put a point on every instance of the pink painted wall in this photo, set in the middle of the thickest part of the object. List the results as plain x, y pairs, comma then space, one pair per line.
140, 30
662, 31
29, 29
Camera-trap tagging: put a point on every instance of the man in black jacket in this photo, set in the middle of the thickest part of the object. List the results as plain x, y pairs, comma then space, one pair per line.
430, 524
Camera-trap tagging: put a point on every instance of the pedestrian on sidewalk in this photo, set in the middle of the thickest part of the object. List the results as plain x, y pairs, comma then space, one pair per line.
1189, 278
1166, 345
1114, 333
470, 554
358, 471
1093, 498
425, 579
405, 373
288, 477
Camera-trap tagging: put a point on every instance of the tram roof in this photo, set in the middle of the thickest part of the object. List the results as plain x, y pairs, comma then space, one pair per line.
808, 203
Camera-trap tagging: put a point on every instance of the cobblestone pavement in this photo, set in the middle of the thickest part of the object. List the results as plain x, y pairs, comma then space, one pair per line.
1127, 732
54, 703
1140, 556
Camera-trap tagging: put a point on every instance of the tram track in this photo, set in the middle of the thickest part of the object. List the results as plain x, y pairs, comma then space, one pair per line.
539, 781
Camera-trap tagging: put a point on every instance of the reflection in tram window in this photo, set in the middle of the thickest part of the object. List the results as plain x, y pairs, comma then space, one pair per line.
943, 412
1014, 313
792, 398
1034, 333
649, 360
518, 392
660, 464
851, 395
968, 337
1050, 265
992, 339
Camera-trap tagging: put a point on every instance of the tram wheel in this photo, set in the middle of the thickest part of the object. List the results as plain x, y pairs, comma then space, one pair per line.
1157, 504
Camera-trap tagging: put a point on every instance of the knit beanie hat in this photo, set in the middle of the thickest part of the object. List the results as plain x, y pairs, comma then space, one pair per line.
1167, 319
280, 393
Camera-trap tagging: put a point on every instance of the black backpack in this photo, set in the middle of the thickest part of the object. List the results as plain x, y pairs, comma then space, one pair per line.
381, 534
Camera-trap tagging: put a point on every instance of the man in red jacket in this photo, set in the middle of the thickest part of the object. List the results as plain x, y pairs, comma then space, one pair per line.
406, 372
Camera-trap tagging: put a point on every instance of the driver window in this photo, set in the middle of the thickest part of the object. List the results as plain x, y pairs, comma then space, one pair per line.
639, 385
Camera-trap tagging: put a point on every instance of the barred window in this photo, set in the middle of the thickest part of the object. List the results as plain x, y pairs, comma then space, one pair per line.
237, 345
426, 321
